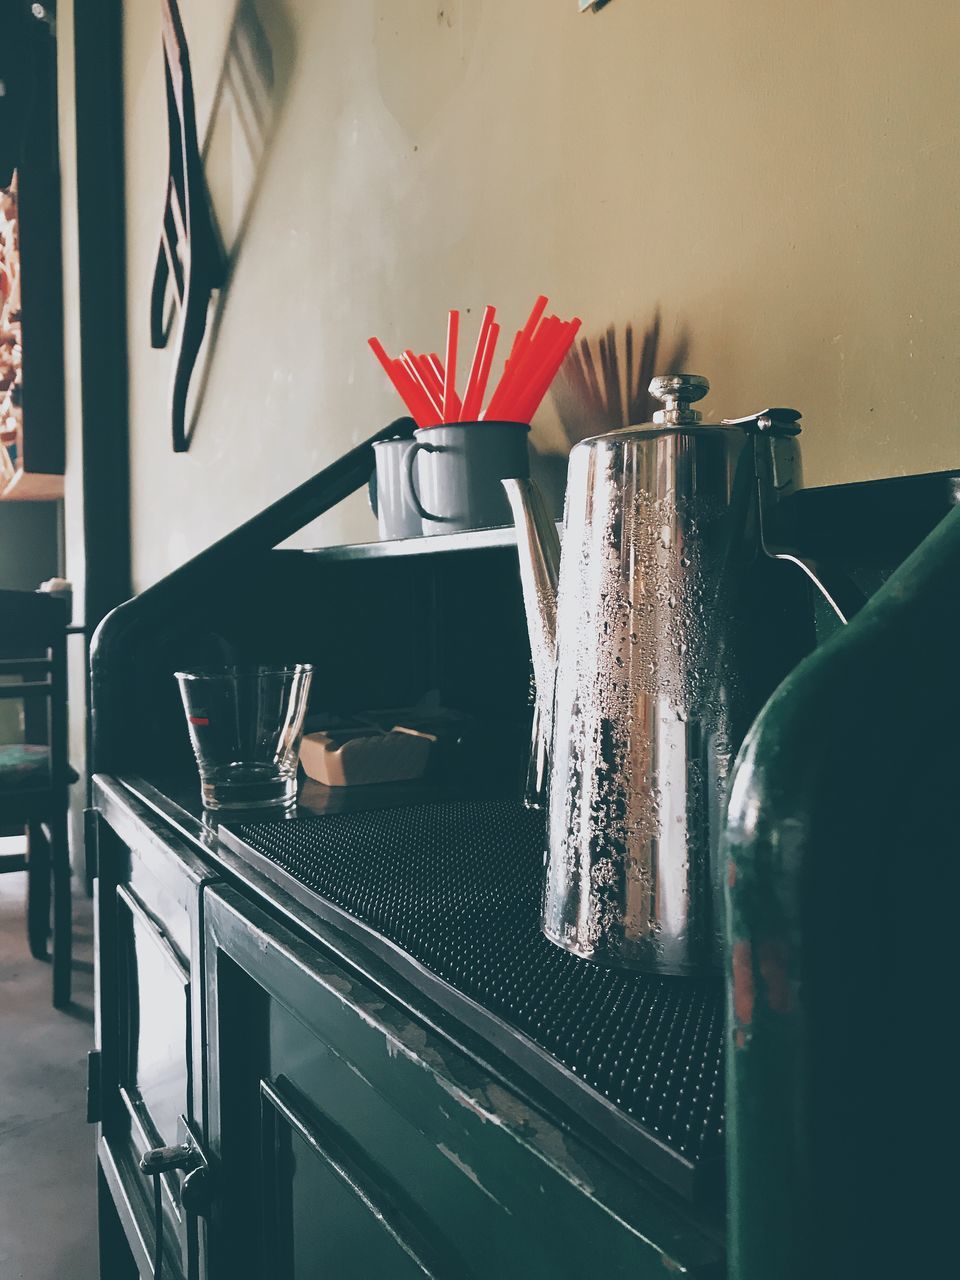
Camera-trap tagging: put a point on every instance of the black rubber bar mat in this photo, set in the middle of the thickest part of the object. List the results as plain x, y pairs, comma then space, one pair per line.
450, 893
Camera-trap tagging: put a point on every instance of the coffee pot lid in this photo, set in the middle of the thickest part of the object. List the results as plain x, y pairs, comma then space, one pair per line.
679, 391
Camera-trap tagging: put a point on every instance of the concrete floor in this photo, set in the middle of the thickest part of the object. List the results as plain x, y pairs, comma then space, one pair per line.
48, 1224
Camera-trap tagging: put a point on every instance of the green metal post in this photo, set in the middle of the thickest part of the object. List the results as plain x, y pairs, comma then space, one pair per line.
843, 848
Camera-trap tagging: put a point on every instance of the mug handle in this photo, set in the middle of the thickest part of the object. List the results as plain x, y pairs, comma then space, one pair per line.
411, 488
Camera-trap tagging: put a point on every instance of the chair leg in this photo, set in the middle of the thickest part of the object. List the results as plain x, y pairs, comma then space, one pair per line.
38, 890
62, 911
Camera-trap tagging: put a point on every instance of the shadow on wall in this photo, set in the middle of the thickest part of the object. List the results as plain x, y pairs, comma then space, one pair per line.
603, 383
602, 386
247, 105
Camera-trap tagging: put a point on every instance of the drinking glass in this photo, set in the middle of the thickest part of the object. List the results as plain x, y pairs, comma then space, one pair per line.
245, 724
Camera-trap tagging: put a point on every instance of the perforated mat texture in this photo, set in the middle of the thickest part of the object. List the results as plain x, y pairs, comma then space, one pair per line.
458, 886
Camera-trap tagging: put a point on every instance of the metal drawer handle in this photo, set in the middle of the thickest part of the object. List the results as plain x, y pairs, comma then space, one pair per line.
188, 1157
196, 1189
163, 1159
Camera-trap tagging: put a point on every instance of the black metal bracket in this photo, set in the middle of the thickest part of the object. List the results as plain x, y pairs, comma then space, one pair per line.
123, 632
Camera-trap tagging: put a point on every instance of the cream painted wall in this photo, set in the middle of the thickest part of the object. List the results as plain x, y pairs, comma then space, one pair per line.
782, 179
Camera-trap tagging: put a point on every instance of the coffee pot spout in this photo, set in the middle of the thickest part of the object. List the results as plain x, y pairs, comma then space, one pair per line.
538, 546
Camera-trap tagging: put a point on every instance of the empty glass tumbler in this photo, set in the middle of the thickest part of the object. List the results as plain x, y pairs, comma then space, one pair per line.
245, 725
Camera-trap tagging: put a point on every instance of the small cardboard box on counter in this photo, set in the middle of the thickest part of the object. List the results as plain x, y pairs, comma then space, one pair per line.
365, 754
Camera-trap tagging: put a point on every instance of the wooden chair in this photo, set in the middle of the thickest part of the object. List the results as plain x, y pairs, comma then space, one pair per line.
35, 774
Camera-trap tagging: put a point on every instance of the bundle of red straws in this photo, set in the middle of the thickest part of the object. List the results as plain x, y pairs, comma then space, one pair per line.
428, 386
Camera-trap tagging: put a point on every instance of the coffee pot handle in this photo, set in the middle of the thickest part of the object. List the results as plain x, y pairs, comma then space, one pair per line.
777, 467
842, 595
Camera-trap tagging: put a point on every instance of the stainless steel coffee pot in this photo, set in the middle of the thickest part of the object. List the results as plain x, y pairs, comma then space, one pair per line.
656, 638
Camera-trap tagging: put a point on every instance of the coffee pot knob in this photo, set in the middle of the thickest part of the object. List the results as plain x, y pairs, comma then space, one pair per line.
678, 391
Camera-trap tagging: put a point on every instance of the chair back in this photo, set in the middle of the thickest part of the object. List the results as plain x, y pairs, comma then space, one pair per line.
33, 647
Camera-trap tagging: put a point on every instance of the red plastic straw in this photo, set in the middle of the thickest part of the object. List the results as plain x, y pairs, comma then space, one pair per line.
528, 373
474, 396
450, 367
550, 337
506, 377
526, 333
427, 385
456, 399
423, 380
488, 355
515, 347
431, 367
471, 406
521, 344
420, 404
408, 392
546, 370
428, 374
542, 378
526, 366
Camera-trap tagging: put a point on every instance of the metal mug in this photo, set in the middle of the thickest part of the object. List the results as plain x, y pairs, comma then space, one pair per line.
453, 474
396, 515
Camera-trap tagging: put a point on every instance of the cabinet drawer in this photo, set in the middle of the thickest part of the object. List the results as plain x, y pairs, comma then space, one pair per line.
337, 1097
